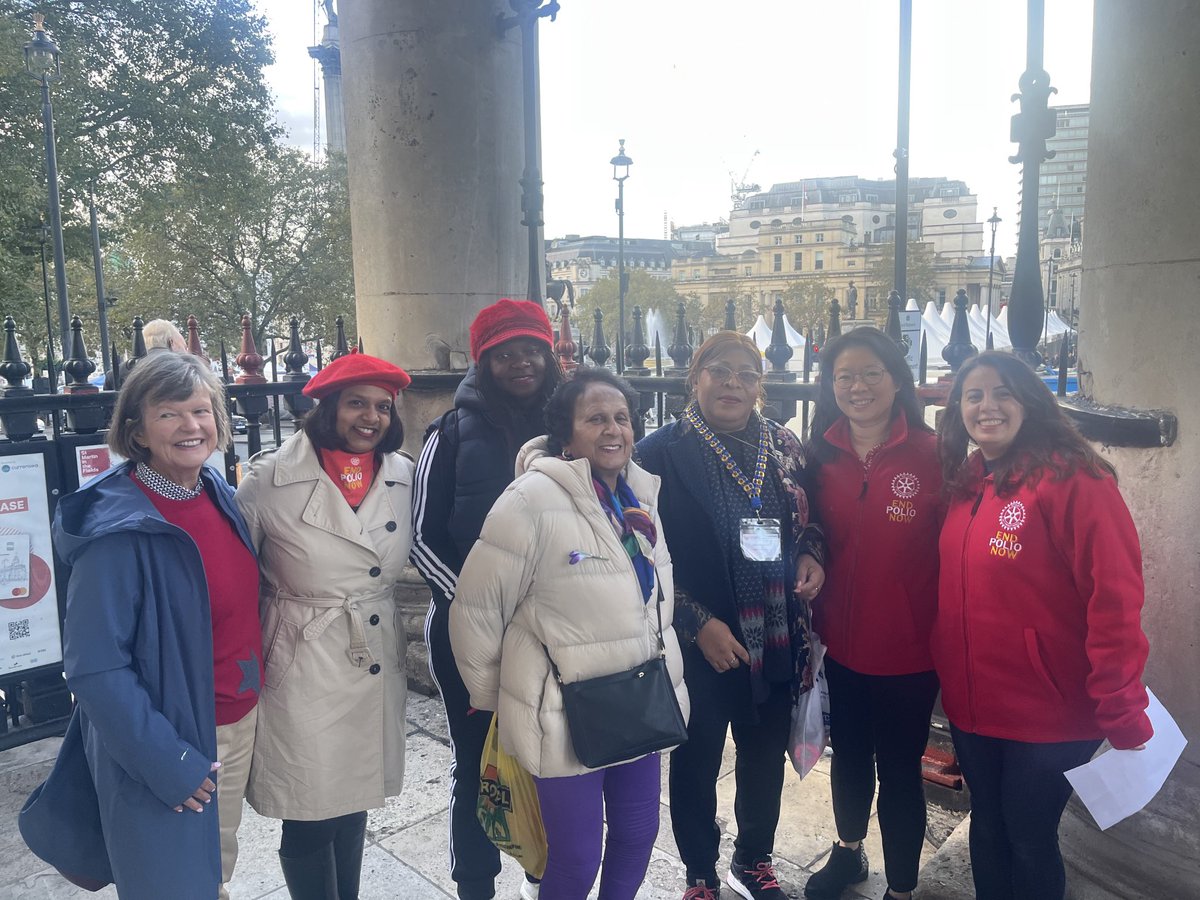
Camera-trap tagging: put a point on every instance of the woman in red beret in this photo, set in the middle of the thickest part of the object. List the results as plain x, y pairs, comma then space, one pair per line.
328, 513
468, 461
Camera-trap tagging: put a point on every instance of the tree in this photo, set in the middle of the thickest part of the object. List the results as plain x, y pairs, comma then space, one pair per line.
807, 303
270, 238
919, 270
643, 290
149, 88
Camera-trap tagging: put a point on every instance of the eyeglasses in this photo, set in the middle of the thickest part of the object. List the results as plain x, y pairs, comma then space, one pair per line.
747, 377
870, 377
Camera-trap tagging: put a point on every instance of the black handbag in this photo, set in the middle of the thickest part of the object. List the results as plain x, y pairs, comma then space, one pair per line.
618, 717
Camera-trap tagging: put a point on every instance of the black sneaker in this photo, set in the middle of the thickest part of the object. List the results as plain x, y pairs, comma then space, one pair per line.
702, 889
756, 881
843, 868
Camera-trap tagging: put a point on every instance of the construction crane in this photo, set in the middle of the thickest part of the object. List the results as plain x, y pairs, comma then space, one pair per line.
739, 188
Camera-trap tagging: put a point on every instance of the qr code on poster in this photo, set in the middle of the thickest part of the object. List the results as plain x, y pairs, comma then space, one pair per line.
18, 629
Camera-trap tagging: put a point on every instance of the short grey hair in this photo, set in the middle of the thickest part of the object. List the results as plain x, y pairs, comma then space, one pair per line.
161, 334
163, 378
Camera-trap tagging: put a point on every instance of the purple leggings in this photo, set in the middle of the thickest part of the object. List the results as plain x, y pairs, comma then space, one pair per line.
573, 811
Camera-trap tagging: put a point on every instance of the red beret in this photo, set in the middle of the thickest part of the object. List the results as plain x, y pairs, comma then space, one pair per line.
357, 368
508, 319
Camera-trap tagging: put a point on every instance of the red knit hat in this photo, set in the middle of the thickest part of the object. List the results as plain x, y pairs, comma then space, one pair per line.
508, 319
357, 368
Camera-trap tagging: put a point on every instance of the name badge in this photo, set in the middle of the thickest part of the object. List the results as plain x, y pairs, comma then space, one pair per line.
761, 540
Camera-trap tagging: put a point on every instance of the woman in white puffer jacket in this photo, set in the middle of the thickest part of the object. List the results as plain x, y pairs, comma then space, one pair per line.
570, 559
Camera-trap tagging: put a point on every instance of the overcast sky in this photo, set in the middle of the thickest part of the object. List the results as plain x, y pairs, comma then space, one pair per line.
697, 86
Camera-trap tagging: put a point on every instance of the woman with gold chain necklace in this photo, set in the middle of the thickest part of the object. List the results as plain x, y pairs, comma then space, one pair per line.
748, 562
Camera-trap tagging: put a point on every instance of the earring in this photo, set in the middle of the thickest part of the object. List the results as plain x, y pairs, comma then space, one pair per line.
566, 454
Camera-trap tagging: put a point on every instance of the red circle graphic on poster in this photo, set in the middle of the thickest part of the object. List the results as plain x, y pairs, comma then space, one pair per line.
39, 584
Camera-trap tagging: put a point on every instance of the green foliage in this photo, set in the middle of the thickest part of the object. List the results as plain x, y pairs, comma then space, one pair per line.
807, 303
270, 237
644, 290
919, 270
150, 89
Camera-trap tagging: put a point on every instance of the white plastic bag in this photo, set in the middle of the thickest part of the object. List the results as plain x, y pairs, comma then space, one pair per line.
810, 716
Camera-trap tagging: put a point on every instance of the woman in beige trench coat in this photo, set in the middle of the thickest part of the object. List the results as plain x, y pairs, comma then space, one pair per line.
328, 513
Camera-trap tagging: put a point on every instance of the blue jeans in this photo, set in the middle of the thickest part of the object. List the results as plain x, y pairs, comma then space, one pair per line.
573, 812
1018, 794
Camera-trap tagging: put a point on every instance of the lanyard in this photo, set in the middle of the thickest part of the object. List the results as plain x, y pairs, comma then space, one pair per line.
752, 486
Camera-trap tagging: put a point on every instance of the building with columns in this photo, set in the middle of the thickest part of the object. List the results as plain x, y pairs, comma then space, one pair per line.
830, 231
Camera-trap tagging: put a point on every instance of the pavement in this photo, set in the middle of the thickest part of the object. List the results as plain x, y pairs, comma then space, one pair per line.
406, 856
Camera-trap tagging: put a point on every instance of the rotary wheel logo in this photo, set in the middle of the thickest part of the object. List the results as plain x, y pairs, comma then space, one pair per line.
1012, 516
906, 485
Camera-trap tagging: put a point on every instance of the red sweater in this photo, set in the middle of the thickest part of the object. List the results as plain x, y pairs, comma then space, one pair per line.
876, 609
232, 575
1038, 635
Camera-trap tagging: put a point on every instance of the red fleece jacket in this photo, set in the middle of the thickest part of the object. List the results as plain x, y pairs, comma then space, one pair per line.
876, 609
1038, 635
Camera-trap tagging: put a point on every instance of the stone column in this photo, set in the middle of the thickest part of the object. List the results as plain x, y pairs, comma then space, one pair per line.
433, 111
1139, 337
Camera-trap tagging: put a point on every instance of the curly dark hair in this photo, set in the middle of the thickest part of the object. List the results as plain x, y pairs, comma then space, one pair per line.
560, 410
827, 412
1047, 442
321, 427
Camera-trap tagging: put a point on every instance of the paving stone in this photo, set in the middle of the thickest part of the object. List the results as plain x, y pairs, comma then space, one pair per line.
426, 788
427, 714
385, 878
16, 784
257, 870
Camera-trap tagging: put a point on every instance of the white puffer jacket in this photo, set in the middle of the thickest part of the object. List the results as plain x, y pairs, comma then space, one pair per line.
518, 590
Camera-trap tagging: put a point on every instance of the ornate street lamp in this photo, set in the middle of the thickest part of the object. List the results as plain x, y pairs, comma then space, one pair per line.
993, 221
42, 63
621, 164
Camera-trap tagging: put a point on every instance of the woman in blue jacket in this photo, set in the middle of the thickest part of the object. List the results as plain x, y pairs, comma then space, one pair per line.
155, 647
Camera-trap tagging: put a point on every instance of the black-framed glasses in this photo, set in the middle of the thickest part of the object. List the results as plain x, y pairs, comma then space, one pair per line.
870, 377
747, 377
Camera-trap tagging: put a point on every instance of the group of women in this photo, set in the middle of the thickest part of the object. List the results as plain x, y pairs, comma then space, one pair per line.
558, 551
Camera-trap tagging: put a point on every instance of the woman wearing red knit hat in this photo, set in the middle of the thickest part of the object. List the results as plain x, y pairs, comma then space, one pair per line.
328, 515
468, 461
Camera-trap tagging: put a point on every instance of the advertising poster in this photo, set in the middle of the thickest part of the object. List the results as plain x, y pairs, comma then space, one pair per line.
29, 631
90, 461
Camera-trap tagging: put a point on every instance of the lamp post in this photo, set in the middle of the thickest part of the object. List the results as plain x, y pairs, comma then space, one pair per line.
621, 164
102, 297
993, 221
42, 63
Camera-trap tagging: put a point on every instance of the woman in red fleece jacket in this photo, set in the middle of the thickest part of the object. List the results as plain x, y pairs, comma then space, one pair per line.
1038, 640
878, 487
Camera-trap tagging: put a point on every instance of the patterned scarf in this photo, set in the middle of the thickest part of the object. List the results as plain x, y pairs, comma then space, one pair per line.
775, 623
634, 527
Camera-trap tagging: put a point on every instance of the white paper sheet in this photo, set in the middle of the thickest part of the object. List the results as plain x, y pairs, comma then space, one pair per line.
1118, 783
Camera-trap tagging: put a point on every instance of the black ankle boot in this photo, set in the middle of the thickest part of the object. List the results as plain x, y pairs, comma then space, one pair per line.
312, 876
843, 868
348, 847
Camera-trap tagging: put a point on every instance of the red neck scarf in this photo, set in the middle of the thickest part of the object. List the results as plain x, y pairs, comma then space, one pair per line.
351, 472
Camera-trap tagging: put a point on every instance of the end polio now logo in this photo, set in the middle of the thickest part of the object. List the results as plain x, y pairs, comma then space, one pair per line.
905, 486
1007, 544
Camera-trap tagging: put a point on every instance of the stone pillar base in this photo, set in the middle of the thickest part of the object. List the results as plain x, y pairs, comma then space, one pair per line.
1150, 856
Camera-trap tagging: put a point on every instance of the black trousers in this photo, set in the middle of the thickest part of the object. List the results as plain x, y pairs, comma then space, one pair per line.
879, 725
758, 776
1018, 793
347, 836
474, 859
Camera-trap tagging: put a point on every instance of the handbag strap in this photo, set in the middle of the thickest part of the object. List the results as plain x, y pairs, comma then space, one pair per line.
662, 646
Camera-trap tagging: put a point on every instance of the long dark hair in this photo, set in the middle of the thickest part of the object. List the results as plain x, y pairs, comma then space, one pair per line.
321, 427
827, 411
1047, 442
